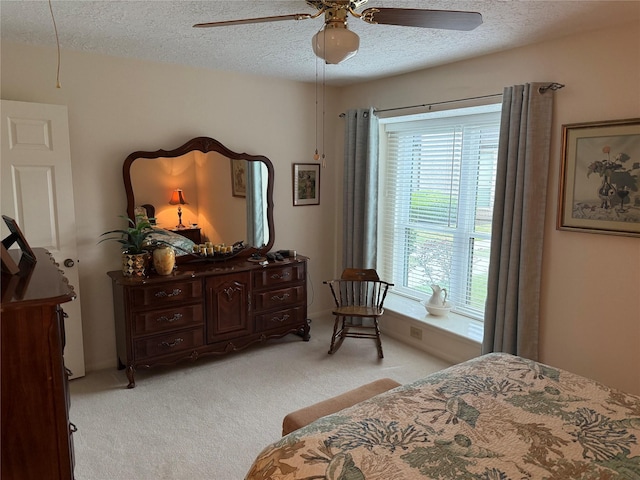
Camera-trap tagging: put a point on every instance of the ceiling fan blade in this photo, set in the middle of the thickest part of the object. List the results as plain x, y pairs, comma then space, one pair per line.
279, 18
410, 17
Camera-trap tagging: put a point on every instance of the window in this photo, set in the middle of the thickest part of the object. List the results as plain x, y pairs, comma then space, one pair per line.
437, 187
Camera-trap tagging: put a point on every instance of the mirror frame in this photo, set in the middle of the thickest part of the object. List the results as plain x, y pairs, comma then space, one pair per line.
204, 145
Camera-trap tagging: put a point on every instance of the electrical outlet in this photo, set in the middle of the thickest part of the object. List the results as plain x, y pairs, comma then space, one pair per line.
415, 332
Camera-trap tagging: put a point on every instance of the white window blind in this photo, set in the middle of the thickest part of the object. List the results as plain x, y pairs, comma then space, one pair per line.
438, 178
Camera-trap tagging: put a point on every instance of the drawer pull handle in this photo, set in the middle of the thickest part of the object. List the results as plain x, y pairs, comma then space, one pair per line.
68, 372
280, 297
280, 319
276, 276
176, 317
176, 342
176, 291
72, 428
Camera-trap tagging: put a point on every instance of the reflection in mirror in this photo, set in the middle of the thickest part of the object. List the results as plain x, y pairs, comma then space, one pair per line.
227, 205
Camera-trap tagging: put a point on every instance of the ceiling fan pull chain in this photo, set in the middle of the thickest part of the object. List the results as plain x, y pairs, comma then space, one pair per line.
316, 156
324, 66
55, 29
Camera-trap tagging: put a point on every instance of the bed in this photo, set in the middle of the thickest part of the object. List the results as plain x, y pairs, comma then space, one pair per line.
495, 417
182, 245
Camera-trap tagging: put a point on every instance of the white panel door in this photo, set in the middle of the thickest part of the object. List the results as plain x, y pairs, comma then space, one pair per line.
37, 191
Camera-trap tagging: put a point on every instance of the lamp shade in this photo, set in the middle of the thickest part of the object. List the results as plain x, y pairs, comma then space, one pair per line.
335, 44
177, 198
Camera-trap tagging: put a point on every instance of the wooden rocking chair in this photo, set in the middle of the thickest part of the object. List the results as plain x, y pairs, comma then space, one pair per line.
359, 293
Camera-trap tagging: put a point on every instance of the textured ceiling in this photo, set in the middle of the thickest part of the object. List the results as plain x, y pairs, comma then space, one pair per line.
162, 31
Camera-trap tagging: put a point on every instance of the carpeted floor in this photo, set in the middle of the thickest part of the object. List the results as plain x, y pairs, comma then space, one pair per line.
211, 418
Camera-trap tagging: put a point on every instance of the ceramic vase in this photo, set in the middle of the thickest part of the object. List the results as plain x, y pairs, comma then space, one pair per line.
135, 265
164, 259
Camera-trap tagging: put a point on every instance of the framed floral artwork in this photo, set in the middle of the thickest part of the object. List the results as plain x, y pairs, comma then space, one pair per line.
306, 184
600, 178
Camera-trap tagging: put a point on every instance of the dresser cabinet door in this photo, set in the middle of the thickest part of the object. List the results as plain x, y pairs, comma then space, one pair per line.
227, 306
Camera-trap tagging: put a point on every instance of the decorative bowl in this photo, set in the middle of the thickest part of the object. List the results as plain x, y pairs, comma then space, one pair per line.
438, 311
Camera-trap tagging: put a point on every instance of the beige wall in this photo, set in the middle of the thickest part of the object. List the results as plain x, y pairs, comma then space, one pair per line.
118, 106
590, 317
591, 283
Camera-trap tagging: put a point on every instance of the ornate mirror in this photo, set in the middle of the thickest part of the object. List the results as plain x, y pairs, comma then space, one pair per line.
228, 195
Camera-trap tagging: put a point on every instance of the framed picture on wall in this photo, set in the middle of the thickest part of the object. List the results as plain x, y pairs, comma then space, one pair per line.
306, 184
599, 188
238, 178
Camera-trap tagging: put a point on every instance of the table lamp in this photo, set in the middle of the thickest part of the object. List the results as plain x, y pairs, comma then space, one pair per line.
177, 198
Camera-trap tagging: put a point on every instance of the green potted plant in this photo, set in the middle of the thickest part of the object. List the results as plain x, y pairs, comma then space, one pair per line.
136, 243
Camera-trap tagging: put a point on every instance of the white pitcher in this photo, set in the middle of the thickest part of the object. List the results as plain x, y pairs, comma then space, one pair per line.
439, 297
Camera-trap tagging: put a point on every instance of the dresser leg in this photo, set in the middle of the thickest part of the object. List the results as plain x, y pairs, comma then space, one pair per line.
130, 376
304, 331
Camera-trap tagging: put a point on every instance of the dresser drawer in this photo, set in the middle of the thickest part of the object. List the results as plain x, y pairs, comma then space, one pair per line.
279, 298
181, 341
278, 275
158, 295
167, 319
290, 316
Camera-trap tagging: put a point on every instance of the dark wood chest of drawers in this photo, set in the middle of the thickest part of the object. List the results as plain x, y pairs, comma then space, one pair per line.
192, 233
207, 309
37, 438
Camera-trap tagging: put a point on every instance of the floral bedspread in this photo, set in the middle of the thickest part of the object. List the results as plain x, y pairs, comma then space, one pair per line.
182, 244
496, 417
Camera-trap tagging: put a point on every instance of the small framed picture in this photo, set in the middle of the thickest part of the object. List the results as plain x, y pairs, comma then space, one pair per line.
306, 184
16, 236
599, 189
238, 178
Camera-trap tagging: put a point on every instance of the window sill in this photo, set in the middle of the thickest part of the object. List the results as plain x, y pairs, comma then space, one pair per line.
452, 322
453, 337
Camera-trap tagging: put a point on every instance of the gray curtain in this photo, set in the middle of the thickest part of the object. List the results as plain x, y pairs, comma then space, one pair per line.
255, 205
513, 300
360, 187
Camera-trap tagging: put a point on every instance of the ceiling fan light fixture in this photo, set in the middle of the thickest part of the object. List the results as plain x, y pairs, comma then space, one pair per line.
335, 44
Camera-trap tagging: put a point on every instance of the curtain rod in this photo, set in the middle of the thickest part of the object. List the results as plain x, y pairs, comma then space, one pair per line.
552, 86
432, 104
439, 103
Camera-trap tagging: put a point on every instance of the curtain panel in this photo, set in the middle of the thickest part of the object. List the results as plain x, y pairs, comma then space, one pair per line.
360, 187
255, 205
513, 298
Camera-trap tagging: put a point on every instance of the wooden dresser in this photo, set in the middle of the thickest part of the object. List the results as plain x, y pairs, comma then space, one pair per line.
36, 433
207, 309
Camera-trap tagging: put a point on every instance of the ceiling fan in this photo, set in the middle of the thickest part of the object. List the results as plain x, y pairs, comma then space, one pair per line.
335, 43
